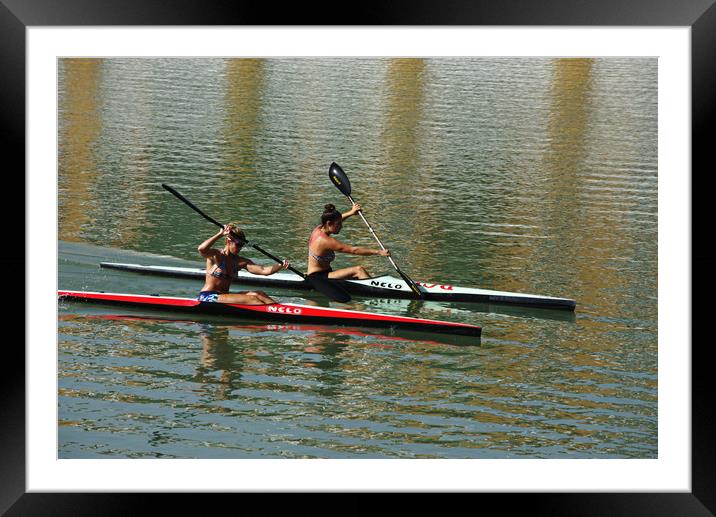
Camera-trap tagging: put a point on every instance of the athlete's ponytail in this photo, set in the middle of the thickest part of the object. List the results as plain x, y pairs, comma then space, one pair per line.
330, 214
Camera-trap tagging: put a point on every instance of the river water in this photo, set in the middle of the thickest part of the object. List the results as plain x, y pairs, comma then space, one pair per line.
527, 175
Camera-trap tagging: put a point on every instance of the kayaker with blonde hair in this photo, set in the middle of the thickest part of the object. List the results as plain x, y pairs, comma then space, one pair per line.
223, 264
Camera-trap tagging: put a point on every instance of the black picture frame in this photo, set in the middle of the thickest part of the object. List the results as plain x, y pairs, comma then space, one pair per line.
700, 15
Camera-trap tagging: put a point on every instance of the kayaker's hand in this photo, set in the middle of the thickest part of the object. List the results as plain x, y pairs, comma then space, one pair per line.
226, 231
229, 234
384, 253
356, 208
278, 267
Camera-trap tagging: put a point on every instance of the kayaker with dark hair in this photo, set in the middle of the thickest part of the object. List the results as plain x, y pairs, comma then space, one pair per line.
222, 265
322, 247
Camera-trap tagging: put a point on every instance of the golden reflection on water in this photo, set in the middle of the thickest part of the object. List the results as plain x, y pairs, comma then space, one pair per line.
401, 137
243, 100
81, 105
81, 126
405, 95
569, 126
132, 166
564, 152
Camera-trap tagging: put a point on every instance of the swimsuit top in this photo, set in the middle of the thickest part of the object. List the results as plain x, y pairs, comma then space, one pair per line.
220, 270
328, 257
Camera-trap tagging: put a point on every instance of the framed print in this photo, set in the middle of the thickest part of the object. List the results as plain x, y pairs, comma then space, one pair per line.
121, 99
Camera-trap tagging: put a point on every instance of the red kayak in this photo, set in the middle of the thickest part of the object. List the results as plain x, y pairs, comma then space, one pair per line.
289, 312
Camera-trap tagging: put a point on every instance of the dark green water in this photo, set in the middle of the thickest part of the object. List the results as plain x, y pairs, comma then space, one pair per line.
528, 175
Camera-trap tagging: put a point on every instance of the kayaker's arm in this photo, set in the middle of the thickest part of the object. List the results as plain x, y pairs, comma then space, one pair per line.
337, 245
254, 268
206, 246
352, 211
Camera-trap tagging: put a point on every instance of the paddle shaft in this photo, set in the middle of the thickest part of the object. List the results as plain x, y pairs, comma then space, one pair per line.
217, 223
370, 228
405, 277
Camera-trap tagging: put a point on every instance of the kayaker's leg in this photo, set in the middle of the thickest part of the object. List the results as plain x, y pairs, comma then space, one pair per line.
358, 272
247, 298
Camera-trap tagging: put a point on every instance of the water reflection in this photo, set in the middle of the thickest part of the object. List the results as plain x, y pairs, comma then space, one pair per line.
502, 401
218, 355
457, 311
565, 157
567, 163
404, 97
243, 98
81, 123
402, 137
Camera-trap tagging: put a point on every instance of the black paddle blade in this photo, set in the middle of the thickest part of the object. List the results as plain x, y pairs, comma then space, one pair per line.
413, 286
339, 178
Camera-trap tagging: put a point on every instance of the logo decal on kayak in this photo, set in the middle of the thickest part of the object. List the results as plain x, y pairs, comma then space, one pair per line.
430, 286
386, 284
283, 309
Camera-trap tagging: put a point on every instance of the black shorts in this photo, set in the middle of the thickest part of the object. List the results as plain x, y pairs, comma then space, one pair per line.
321, 274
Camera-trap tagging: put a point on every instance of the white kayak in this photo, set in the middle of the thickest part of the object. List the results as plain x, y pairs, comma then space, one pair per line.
383, 286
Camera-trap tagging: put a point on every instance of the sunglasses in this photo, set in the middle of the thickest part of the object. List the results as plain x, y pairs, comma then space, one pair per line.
236, 239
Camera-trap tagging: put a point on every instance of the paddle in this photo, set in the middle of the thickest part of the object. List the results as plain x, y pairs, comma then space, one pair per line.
322, 285
340, 180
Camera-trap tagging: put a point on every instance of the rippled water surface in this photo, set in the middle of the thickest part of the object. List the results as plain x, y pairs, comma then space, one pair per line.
527, 175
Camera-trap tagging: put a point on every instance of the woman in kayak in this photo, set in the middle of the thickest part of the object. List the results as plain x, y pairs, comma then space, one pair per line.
322, 247
222, 265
